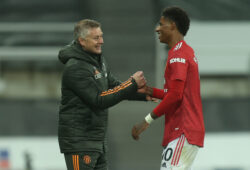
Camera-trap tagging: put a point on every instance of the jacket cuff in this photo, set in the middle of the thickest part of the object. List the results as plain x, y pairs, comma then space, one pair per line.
134, 82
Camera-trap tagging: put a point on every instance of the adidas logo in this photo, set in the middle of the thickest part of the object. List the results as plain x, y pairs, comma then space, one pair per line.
178, 46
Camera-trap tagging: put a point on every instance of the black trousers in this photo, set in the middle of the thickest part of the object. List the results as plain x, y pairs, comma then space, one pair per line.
86, 161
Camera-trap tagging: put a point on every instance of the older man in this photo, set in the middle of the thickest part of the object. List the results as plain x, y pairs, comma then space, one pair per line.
88, 90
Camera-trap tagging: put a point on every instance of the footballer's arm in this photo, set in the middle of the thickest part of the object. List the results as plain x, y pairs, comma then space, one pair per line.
168, 105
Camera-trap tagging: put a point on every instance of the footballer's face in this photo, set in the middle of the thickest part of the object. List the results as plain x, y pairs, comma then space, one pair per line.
93, 41
165, 30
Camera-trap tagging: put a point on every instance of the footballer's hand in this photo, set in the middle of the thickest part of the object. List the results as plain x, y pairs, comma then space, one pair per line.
139, 79
146, 90
138, 129
149, 98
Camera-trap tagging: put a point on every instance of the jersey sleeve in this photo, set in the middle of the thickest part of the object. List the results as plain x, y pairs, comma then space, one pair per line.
171, 100
178, 67
158, 93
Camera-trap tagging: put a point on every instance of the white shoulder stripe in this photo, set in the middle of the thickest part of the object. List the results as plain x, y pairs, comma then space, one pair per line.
178, 46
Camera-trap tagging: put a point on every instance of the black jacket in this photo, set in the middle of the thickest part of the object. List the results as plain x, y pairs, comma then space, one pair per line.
88, 90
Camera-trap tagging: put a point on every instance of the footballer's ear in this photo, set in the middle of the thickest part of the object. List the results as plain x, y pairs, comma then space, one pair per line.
173, 25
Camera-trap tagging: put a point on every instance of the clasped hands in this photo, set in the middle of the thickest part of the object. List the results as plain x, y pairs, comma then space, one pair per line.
139, 79
142, 86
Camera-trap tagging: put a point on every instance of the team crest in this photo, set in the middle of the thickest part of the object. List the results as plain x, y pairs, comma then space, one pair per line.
97, 74
87, 159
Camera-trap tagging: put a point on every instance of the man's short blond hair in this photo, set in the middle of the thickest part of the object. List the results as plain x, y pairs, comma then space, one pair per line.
82, 27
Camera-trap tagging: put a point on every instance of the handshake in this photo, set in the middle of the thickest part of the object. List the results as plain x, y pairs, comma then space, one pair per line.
139, 79
142, 86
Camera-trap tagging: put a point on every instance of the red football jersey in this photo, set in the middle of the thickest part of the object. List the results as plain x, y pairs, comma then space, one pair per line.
188, 118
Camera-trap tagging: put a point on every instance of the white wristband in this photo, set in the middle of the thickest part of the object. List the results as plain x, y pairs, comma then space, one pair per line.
149, 118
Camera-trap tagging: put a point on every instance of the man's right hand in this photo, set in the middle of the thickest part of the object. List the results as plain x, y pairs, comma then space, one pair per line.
146, 90
139, 79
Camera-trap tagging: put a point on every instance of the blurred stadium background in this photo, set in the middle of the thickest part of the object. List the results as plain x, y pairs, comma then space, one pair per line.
32, 32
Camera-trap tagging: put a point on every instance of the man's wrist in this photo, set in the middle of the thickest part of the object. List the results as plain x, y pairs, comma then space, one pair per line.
149, 91
149, 118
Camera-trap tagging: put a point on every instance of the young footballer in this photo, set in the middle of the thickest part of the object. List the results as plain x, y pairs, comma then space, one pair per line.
181, 101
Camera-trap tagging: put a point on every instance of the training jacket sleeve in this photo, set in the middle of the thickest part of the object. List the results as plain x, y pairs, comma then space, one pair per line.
83, 84
113, 81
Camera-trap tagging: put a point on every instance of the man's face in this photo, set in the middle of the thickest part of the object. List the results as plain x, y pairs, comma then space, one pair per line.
93, 41
164, 30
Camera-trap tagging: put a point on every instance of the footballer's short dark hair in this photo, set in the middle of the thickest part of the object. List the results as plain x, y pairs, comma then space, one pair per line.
179, 16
